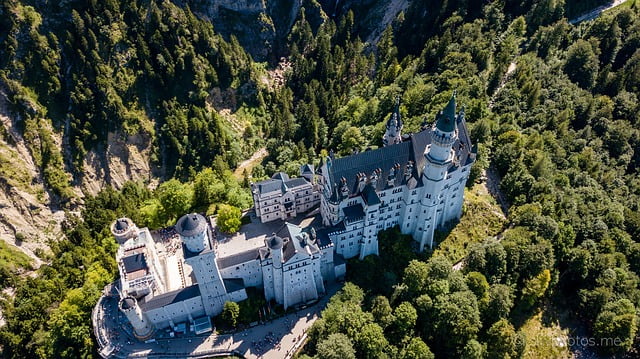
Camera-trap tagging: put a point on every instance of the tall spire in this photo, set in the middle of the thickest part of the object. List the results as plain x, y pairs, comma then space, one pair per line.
393, 134
446, 119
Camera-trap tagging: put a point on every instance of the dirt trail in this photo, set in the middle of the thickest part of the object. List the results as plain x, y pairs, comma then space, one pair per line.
250, 162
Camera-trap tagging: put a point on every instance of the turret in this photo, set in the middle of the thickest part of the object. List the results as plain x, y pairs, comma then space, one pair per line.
439, 156
123, 229
192, 228
142, 328
393, 133
444, 133
276, 244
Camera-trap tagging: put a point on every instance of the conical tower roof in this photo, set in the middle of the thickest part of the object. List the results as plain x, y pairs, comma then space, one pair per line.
446, 119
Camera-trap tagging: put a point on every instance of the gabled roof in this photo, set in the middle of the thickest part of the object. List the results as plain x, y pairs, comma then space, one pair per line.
296, 182
281, 176
172, 297
270, 185
412, 149
280, 182
383, 159
238, 258
370, 196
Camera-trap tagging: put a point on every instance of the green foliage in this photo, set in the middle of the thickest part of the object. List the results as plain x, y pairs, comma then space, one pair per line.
371, 342
473, 350
336, 346
481, 218
500, 303
582, 64
561, 132
230, 314
250, 307
416, 349
616, 326
175, 198
381, 310
503, 341
536, 287
12, 263
228, 218
405, 317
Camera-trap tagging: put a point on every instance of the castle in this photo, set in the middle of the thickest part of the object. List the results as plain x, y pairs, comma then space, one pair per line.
187, 273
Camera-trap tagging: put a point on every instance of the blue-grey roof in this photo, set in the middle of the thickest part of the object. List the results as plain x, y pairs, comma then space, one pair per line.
127, 303
280, 176
279, 182
370, 196
322, 234
383, 159
191, 224
307, 168
233, 284
238, 258
270, 185
354, 212
295, 182
412, 149
446, 119
172, 297
134, 262
275, 242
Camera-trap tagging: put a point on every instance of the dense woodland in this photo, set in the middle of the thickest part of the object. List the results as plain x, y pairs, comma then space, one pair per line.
561, 131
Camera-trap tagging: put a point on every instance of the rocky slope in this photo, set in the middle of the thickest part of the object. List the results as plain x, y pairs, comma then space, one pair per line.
262, 26
29, 216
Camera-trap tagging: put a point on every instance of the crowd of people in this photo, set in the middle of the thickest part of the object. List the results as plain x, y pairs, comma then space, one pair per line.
170, 238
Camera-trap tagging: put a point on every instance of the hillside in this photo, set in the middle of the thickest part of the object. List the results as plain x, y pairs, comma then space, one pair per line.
143, 108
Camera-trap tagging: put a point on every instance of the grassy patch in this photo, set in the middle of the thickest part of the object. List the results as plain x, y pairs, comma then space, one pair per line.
481, 218
12, 263
13, 171
544, 340
629, 4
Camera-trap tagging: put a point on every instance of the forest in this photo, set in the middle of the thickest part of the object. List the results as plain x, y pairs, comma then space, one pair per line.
552, 106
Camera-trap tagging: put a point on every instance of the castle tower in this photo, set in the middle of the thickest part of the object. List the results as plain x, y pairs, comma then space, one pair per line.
439, 156
142, 328
193, 231
276, 244
199, 254
393, 134
123, 229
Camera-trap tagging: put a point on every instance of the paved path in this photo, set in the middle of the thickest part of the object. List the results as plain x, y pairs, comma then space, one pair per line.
273, 340
596, 12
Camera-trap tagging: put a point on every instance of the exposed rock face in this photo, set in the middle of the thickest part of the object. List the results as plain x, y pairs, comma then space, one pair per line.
261, 26
127, 158
212, 7
29, 218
